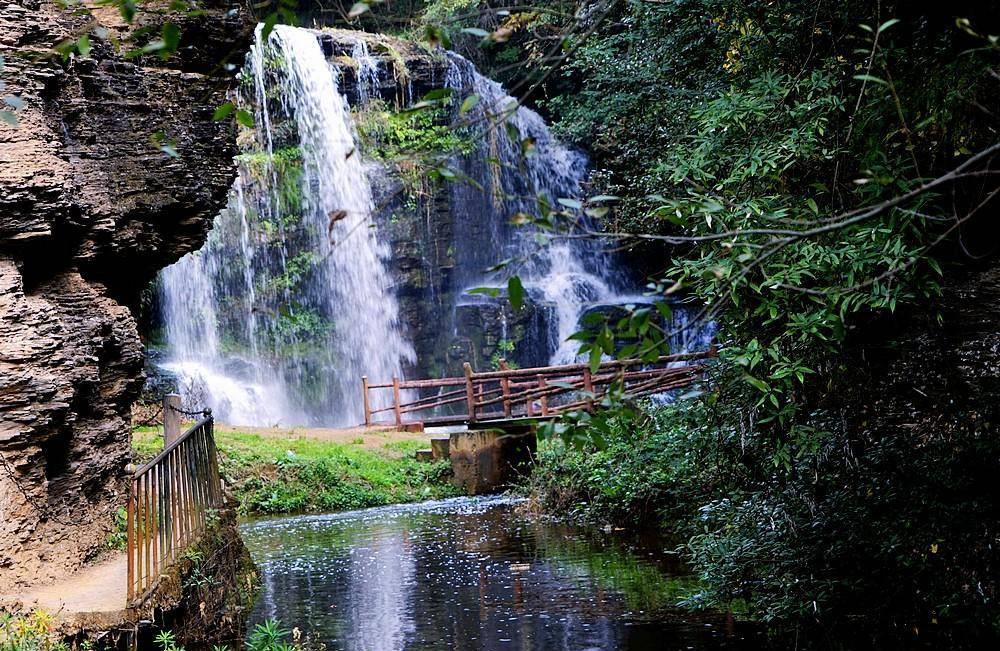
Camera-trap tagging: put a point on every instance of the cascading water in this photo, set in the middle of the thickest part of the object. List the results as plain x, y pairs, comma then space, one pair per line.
289, 303
367, 71
570, 275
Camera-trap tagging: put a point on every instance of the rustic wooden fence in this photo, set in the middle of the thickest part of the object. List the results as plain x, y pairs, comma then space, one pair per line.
541, 392
169, 506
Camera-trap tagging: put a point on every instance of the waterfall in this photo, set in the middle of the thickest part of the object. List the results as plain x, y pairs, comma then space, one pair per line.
570, 275
367, 71
289, 303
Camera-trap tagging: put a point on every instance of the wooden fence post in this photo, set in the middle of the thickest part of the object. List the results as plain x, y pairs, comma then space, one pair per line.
395, 401
171, 418
543, 399
505, 387
368, 407
470, 393
588, 386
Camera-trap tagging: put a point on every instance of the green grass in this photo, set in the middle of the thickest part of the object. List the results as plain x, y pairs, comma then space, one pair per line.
271, 476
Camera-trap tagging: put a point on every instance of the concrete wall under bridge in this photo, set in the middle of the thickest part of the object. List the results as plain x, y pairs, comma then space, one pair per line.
488, 459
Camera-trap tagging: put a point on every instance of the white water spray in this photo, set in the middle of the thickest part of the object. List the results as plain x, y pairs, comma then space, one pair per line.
295, 263
570, 275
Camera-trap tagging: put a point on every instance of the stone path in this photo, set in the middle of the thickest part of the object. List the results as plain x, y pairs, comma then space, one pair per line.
98, 588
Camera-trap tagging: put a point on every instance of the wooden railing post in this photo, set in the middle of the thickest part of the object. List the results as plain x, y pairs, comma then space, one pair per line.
470, 393
588, 386
171, 418
543, 399
395, 401
505, 387
368, 407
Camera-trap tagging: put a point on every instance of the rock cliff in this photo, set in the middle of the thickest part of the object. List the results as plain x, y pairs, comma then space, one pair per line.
91, 208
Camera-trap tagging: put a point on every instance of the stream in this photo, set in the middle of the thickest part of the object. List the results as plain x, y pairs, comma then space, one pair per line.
474, 573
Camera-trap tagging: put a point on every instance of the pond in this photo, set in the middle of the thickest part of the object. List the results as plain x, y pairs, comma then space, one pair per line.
474, 573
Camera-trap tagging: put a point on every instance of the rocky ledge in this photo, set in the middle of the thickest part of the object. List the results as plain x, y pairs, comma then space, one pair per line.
92, 204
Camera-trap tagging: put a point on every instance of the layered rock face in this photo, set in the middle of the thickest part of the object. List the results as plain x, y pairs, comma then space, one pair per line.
91, 208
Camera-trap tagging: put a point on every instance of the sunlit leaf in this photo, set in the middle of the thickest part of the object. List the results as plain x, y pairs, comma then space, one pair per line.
468, 104
492, 292
244, 118
871, 78
223, 111
887, 24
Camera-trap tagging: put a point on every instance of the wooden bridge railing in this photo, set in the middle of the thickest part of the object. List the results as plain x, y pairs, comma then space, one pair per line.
169, 506
541, 392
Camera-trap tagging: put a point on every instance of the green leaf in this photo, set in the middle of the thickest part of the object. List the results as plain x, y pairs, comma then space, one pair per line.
244, 118
515, 292
438, 94
760, 385
485, 291
127, 9
871, 78
570, 203
83, 46
171, 35
269, 22
468, 104
887, 24
595, 360
223, 111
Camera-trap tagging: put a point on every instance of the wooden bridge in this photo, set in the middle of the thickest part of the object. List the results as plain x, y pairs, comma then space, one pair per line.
508, 394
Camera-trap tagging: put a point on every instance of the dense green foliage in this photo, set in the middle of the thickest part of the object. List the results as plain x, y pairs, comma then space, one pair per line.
788, 165
780, 163
272, 475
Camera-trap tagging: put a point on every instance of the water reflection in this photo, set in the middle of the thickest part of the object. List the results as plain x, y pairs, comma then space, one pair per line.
473, 574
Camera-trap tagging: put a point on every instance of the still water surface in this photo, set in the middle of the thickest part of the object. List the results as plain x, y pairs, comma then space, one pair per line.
472, 573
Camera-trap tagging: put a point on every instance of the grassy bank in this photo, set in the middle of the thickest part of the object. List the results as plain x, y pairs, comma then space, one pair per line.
277, 472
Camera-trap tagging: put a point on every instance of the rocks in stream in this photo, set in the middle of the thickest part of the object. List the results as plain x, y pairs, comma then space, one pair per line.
92, 205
